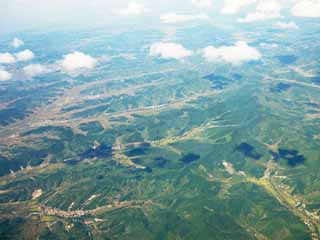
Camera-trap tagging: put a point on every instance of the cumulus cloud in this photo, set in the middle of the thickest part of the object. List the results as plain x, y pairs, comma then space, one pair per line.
7, 58
16, 43
25, 55
306, 8
169, 50
5, 75
236, 54
133, 8
173, 18
77, 61
33, 70
201, 3
234, 6
264, 10
286, 25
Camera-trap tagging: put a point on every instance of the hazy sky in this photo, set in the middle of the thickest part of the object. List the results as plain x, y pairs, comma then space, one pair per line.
36, 14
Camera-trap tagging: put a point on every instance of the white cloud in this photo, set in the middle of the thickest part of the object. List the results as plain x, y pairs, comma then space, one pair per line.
25, 55
286, 25
234, 6
133, 8
201, 3
169, 50
7, 58
269, 45
264, 10
172, 18
76, 61
236, 54
5, 75
33, 70
16, 43
306, 8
